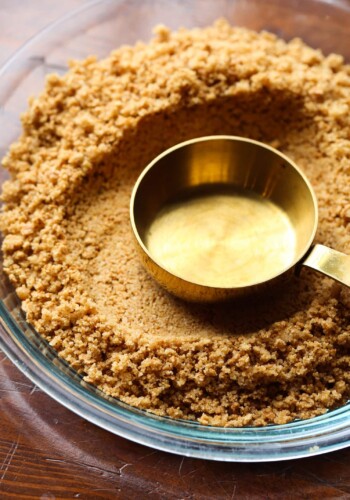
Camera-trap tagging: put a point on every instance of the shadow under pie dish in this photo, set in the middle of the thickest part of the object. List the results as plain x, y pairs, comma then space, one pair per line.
146, 345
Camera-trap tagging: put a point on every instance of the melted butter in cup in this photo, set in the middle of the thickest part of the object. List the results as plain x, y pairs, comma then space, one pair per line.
222, 239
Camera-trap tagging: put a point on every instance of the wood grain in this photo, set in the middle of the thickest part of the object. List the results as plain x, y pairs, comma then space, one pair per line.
47, 452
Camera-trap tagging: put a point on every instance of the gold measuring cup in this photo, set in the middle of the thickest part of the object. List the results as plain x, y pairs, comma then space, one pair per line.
222, 216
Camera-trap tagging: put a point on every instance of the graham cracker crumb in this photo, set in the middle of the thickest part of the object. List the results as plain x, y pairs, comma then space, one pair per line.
68, 245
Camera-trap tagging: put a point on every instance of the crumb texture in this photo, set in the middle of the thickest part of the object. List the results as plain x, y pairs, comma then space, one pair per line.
68, 247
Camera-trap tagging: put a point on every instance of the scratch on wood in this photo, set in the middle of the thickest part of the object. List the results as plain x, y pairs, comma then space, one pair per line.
55, 460
8, 459
120, 470
14, 385
191, 472
79, 463
224, 485
234, 492
147, 455
34, 389
181, 464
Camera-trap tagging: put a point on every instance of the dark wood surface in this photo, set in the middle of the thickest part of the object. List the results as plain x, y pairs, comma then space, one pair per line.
47, 452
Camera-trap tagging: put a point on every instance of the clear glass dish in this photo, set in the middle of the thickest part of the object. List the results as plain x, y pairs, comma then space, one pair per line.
97, 28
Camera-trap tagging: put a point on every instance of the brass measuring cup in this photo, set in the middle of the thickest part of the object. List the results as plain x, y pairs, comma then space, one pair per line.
222, 216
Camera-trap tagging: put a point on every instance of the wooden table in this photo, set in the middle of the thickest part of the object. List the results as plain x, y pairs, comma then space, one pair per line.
47, 452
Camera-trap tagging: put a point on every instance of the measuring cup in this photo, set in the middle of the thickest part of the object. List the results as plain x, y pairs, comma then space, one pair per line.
224, 216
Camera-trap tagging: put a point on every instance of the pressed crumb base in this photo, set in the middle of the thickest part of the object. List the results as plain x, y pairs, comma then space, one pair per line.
68, 246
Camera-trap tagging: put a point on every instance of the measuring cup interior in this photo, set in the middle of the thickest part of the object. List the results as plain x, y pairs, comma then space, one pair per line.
276, 217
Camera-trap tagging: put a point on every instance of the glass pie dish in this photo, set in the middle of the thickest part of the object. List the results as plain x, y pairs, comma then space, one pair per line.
97, 28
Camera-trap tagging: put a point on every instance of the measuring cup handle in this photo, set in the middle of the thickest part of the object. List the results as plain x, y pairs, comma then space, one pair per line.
330, 262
